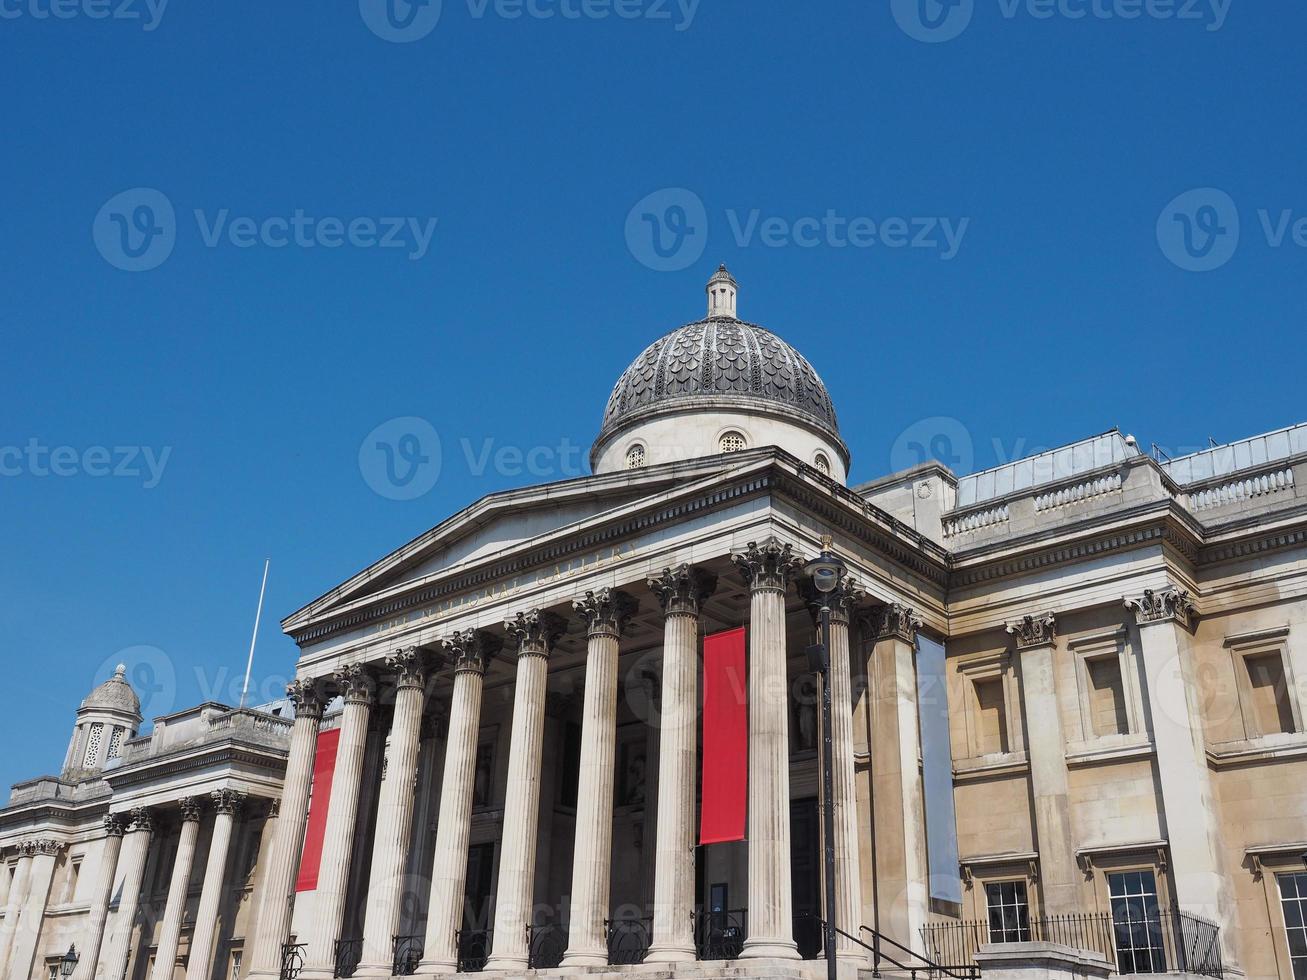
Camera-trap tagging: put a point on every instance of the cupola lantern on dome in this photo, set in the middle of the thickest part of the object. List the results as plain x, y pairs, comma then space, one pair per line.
108, 718
715, 386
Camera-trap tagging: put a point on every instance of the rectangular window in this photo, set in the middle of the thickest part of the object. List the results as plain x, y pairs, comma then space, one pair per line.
1270, 693
1107, 696
1293, 899
991, 716
1136, 922
236, 965
93, 746
1009, 912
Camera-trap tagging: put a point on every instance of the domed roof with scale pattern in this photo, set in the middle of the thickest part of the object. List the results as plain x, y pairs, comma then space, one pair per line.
720, 358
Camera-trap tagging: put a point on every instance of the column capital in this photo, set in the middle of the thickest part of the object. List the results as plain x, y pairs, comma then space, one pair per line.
535, 632
1029, 632
409, 668
897, 621
191, 811
842, 599
142, 821
1163, 606
115, 824
682, 590
356, 685
605, 612
768, 566
227, 801
47, 846
307, 697
471, 650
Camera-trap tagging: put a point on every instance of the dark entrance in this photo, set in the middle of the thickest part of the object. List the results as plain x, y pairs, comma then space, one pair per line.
474, 938
805, 872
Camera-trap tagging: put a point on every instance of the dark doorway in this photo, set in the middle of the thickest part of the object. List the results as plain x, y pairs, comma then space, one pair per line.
805, 872
474, 939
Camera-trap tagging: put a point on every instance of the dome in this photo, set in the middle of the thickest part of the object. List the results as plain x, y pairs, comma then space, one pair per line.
115, 694
720, 358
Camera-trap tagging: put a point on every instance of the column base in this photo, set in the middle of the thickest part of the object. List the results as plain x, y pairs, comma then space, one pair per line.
375, 970
771, 949
584, 957
505, 964
318, 973
672, 954
435, 968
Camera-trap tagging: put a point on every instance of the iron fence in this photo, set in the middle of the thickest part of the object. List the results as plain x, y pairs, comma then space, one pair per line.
719, 935
408, 955
473, 949
628, 940
348, 954
546, 946
1147, 941
292, 960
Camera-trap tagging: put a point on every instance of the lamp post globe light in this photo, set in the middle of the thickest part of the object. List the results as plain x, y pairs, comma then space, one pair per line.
826, 571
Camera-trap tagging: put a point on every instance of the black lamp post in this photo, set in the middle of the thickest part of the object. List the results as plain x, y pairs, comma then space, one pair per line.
69, 962
826, 571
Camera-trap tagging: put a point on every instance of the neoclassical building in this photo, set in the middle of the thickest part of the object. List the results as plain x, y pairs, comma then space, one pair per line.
575, 728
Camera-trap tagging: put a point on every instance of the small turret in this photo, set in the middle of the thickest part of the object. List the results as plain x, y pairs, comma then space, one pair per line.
110, 715
723, 293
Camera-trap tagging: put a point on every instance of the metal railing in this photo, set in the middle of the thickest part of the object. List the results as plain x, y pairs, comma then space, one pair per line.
720, 935
628, 940
292, 960
348, 954
546, 946
408, 955
473, 949
1133, 941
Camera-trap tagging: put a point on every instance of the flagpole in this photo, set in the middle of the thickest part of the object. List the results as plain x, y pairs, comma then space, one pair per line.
249, 663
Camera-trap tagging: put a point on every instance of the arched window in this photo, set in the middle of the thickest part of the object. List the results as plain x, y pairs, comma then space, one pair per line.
635, 457
822, 464
732, 442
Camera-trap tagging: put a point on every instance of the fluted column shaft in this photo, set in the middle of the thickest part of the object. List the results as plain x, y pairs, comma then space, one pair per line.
394, 817
14, 904
28, 927
605, 613
115, 827
282, 860
681, 592
165, 959
767, 568
848, 874
199, 964
135, 851
517, 861
333, 875
469, 651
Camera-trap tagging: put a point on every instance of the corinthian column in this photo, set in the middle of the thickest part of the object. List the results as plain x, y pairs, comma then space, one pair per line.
682, 592
14, 903
605, 614
136, 849
165, 959
227, 805
356, 686
534, 633
848, 875
394, 816
470, 650
767, 569
45, 853
281, 862
114, 828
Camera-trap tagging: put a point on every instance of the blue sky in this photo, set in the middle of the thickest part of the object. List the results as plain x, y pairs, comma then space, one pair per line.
243, 371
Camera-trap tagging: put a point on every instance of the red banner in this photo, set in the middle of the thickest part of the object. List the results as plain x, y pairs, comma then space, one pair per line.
725, 738
324, 768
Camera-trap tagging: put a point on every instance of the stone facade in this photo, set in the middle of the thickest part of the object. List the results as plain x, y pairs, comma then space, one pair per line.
513, 702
